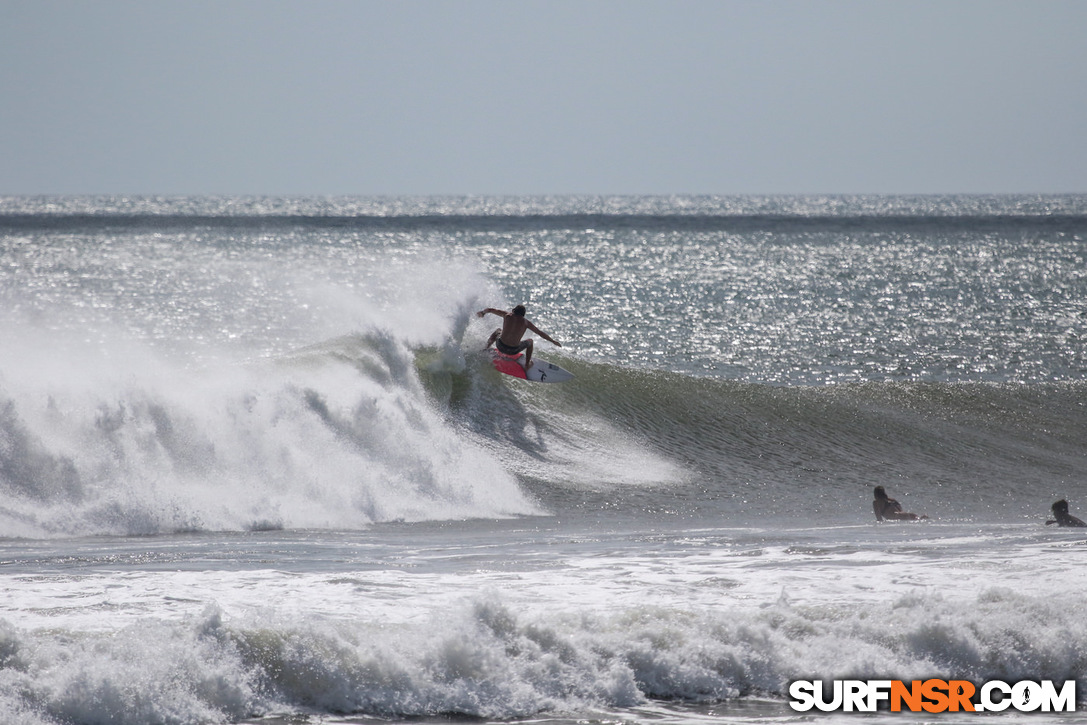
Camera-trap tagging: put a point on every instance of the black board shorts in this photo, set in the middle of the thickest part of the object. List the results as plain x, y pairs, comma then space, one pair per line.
510, 349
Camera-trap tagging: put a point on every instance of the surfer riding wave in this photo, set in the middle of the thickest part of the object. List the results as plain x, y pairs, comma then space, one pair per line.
507, 339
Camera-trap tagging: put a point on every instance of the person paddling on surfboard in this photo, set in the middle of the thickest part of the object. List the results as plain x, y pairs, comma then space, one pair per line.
1062, 517
886, 508
507, 339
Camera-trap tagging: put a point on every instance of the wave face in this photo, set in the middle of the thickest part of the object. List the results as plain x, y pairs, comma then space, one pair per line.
364, 429
750, 453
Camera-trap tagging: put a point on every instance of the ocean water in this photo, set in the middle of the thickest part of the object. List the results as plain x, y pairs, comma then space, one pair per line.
254, 467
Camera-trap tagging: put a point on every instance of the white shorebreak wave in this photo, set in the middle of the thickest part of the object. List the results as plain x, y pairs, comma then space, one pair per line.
486, 658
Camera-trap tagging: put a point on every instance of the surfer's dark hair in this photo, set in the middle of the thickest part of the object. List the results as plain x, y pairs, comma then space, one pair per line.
519, 310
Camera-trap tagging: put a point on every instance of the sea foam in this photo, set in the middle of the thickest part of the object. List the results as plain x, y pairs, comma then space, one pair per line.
336, 436
486, 656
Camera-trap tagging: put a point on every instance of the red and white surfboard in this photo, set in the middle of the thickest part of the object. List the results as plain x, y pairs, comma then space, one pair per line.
540, 372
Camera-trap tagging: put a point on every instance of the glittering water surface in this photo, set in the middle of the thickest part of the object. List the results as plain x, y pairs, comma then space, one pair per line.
797, 306
780, 290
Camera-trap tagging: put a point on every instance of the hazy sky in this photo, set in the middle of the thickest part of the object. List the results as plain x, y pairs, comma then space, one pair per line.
556, 97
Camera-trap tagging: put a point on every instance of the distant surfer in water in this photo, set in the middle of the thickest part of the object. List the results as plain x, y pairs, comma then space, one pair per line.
507, 339
890, 509
1063, 518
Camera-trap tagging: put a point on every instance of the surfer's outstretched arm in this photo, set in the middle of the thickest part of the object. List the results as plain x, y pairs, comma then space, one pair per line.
493, 311
543, 334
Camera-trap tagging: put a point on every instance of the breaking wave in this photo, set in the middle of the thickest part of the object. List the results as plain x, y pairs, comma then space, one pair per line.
488, 659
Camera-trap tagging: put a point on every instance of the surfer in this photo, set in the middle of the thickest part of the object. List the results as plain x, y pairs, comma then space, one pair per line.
1063, 518
507, 339
890, 509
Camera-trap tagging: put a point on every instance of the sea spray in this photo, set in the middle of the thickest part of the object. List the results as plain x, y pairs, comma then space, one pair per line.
338, 436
